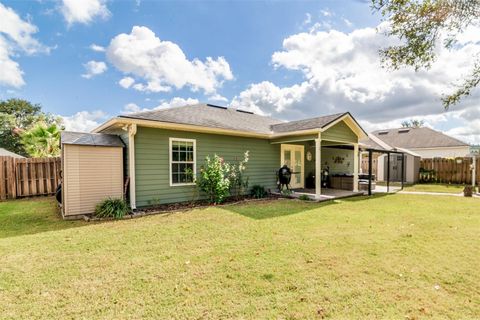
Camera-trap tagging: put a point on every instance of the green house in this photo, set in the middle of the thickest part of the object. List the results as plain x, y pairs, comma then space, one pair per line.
161, 144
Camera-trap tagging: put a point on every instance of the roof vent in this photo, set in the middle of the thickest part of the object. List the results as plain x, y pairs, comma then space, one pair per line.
215, 106
383, 133
403, 130
244, 111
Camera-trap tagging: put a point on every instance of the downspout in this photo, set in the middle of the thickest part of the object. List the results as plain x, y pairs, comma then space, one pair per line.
132, 131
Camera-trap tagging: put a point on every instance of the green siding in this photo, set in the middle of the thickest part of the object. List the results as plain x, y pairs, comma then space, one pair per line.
340, 132
152, 162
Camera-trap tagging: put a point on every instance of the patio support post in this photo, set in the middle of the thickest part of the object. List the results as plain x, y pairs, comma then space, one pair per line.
132, 131
370, 164
474, 169
355, 167
318, 166
388, 172
403, 169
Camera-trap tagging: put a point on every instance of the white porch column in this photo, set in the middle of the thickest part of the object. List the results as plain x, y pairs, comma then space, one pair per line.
318, 166
132, 131
355, 167
474, 169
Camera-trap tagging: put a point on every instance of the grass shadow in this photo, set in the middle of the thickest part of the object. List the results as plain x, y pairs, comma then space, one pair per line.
267, 209
275, 208
31, 216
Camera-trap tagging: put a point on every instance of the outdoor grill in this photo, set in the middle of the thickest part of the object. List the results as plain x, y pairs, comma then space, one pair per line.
284, 177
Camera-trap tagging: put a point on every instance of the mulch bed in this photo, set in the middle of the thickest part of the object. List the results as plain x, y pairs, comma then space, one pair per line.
183, 206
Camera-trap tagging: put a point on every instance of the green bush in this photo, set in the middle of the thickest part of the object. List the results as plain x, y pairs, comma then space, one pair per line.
111, 208
258, 192
213, 179
304, 197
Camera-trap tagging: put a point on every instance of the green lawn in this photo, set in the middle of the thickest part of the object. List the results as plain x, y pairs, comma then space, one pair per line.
442, 188
391, 256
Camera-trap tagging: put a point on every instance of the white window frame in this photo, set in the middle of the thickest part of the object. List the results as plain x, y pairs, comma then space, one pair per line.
194, 141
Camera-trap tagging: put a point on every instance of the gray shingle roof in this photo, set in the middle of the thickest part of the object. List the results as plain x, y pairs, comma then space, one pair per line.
231, 119
417, 138
91, 139
6, 153
306, 124
370, 144
210, 116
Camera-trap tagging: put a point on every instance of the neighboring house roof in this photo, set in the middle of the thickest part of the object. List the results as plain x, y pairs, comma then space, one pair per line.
210, 116
369, 143
91, 139
207, 115
6, 153
415, 138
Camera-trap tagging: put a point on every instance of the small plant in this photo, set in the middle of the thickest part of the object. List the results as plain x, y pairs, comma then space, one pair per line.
286, 192
468, 191
111, 208
258, 192
304, 197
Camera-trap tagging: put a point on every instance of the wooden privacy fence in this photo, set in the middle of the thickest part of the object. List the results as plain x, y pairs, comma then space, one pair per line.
447, 170
28, 177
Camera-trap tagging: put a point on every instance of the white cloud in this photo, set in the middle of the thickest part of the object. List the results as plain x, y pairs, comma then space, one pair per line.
342, 72
163, 65
94, 68
84, 121
326, 13
174, 102
96, 48
347, 22
217, 97
126, 82
84, 11
16, 35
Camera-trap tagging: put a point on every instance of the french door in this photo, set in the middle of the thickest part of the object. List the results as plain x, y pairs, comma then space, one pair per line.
293, 156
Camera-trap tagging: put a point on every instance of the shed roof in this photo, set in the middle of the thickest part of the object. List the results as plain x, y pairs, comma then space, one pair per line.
91, 139
412, 138
6, 153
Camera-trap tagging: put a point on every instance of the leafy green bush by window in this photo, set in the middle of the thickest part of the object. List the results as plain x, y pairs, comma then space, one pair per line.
258, 192
213, 179
111, 208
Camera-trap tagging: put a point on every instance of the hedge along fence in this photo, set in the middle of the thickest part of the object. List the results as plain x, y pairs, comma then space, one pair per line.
28, 177
448, 170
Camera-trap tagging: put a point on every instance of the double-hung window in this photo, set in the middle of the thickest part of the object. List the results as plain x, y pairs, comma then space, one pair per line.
182, 161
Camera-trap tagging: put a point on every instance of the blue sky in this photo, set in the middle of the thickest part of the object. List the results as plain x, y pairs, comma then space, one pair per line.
286, 59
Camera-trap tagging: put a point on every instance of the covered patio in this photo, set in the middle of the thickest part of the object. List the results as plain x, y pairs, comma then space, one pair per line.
325, 164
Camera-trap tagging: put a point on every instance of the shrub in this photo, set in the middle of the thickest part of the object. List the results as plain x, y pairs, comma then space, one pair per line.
213, 179
258, 192
286, 192
111, 208
237, 178
304, 197
468, 191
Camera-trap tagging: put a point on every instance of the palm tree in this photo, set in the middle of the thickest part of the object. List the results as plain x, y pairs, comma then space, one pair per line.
42, 140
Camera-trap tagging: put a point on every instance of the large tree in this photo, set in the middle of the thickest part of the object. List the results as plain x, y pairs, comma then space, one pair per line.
16, 116
421, 25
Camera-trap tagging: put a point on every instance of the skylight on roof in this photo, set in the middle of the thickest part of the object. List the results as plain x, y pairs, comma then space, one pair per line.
403, 130
215, 106
383, 132
244, 111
